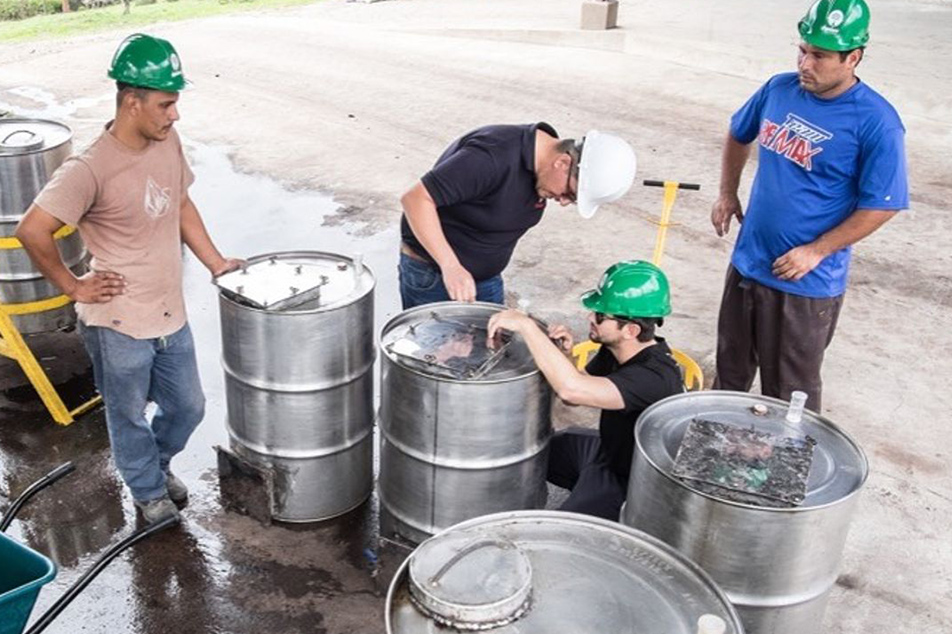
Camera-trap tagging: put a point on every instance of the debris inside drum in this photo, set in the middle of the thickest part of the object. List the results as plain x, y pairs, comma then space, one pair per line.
745, 465
449, 348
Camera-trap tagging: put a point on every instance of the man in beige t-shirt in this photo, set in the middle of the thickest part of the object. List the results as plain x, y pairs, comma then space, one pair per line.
128, 195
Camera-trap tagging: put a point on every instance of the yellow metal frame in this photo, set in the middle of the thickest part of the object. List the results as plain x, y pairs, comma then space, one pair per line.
693, 376
670, 194
13, 346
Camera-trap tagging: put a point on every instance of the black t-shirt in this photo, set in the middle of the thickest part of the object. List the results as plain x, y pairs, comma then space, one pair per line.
649, 376
484, 187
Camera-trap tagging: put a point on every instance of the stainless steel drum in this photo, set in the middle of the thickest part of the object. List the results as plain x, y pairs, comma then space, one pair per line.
464, 430
298, 353
546, 572
30, 151
777, 565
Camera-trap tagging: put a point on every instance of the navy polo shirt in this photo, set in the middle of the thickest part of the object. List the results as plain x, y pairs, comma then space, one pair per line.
484, 187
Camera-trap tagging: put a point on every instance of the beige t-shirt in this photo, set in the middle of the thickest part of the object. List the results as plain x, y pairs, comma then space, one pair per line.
127, 207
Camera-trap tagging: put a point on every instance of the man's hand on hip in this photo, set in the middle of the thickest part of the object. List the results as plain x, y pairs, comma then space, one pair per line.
797, 262
726, 207
459, 284
97, 287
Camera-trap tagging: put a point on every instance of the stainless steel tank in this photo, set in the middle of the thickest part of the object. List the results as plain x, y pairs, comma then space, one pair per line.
546, 572
298, 353
464, 430
30, 151
777, 564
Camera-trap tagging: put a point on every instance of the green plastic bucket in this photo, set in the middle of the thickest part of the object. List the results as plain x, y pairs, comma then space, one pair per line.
23, 572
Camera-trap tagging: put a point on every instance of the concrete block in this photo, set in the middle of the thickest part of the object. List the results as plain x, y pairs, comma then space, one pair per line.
599, 15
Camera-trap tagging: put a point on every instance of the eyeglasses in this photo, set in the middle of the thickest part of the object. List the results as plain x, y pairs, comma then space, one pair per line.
600, 317
568, 193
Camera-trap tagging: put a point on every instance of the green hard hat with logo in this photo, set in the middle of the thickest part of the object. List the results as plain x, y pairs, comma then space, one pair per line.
144, 61
631, 289
836, 25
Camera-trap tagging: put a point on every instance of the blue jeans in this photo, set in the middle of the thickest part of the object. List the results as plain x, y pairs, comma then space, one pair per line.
131, 372
422, 283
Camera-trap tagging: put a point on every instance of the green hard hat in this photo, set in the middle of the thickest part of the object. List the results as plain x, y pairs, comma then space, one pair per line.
147, 62
631, 289
836, 25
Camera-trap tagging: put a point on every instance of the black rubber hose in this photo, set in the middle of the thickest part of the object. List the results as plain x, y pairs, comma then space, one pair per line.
51, 477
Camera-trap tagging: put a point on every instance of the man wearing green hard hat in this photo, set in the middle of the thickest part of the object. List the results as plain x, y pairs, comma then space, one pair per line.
127, 193
632, 369
831, 170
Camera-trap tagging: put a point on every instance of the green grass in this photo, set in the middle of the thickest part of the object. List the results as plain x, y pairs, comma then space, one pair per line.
111, 17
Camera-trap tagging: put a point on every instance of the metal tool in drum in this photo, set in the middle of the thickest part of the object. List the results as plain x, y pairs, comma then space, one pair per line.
741, 464
450, 348
23, 571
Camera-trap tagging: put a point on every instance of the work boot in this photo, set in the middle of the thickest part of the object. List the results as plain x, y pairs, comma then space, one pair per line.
178, 492
157, 510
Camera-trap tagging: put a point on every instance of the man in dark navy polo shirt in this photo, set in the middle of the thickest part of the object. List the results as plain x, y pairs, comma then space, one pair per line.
463, 219
633, 369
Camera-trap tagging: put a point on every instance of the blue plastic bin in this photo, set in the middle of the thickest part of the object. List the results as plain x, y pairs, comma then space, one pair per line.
23, 571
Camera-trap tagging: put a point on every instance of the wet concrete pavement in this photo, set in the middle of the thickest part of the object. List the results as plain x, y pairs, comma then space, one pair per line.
218, 571
358, 99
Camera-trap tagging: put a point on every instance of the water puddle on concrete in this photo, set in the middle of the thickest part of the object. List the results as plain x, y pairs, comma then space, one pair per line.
36, 103
219, 571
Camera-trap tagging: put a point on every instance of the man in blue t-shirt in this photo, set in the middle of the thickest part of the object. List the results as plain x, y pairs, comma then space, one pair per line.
463, 219
831, 170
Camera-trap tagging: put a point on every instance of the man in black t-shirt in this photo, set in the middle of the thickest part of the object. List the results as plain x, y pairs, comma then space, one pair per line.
463, 219
632, 369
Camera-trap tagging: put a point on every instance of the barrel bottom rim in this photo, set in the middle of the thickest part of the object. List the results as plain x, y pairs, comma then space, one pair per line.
325, 518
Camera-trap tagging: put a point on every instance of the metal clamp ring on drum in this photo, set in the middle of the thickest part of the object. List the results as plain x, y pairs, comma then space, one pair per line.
43, 305
14, 243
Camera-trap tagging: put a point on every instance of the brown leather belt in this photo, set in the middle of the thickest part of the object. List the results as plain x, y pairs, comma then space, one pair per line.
406, 250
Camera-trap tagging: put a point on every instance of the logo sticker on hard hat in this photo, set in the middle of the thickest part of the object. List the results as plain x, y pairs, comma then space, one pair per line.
174, 61
834, 19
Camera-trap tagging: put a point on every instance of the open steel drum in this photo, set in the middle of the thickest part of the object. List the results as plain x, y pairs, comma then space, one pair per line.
464, 428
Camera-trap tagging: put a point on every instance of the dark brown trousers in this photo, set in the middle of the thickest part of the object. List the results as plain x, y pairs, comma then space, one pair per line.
783, 335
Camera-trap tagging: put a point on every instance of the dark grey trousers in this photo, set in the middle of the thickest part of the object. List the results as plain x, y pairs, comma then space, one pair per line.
783, 335
575, 463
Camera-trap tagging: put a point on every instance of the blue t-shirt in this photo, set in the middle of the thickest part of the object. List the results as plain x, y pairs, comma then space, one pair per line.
819, 161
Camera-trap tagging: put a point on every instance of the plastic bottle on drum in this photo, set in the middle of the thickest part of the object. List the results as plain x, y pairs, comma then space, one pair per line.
711, 624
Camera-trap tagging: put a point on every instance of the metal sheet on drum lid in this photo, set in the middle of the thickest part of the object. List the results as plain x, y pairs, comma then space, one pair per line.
839, 466
24, 136
587, 575
448, 341
296, 281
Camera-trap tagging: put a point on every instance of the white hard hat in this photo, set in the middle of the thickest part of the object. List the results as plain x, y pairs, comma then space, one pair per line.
606, 171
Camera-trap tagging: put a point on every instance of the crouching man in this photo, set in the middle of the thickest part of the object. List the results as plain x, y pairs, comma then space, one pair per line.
632, 369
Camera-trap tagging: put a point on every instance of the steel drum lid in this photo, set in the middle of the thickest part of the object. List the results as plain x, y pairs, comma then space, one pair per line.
25, 136
839, 468
470, 581
542, 572
448, 341
299, 281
